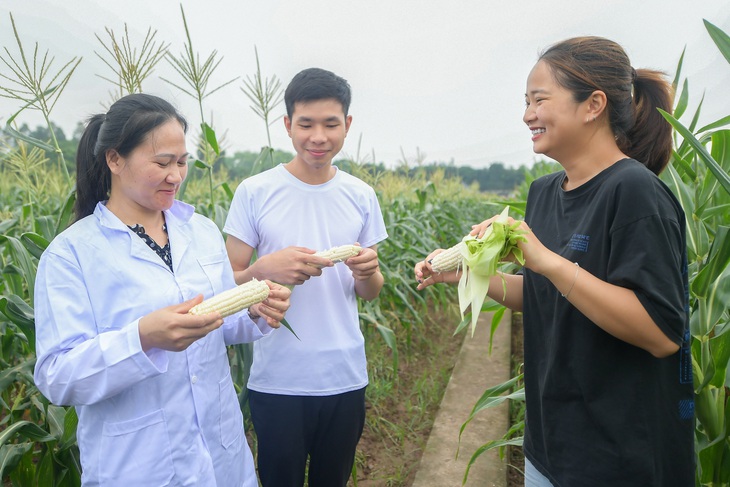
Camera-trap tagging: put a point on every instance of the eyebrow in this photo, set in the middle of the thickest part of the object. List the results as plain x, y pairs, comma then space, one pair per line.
328, 119
538, 90
172, 156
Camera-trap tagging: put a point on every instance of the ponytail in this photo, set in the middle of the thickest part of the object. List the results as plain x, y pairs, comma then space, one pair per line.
93, 177
650, 138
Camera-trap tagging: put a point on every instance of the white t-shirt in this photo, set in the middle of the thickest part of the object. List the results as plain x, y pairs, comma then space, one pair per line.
274, 210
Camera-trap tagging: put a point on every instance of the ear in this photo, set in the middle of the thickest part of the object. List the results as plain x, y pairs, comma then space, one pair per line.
287, 125
595, 105
114, 161
348, 121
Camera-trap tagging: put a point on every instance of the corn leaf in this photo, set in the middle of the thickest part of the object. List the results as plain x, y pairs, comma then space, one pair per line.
722, 40
701, 151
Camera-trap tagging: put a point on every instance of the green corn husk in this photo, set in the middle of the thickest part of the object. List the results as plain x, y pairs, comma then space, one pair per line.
481, 260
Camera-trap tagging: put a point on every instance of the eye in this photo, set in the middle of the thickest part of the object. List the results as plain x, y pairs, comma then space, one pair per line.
304, 126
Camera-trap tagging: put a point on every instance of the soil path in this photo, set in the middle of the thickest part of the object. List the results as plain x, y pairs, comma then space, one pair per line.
475, 371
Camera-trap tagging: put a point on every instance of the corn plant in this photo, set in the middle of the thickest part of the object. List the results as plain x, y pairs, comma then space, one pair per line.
35, 86
196, 76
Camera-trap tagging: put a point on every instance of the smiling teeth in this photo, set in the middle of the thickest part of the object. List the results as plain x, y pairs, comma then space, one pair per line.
537, 131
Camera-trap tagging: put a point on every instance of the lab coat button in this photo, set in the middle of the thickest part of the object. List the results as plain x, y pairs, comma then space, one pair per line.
194, 379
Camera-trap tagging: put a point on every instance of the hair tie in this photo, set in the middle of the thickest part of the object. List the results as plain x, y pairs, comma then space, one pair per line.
633, 74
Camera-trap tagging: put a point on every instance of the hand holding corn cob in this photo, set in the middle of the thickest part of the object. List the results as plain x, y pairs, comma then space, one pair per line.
249, 295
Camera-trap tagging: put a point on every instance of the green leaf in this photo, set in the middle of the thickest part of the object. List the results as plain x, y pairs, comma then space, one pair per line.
486, 447
22, 259
10, 456
18, 311
683, 100
25, 429
718, 123
31, 140
66, 214
722, 40
34, 243
288, 327
722, 177
209, 135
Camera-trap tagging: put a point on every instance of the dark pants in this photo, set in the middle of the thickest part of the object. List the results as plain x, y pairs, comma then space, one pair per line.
290, 428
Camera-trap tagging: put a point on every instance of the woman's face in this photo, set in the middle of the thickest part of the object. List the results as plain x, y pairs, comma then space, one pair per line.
147, 180
553, 116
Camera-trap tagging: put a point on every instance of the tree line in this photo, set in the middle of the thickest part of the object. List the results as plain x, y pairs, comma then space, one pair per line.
494, 178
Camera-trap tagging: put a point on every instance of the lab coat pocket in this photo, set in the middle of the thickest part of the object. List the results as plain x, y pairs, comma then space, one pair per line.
231, 420
216, 267
136, 452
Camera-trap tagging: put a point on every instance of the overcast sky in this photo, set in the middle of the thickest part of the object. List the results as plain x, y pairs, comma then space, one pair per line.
446, 78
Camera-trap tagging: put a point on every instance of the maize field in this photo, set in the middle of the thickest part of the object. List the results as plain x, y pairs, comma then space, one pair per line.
37, 438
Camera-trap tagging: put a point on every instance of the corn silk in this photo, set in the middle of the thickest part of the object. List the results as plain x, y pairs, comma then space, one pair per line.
481, 258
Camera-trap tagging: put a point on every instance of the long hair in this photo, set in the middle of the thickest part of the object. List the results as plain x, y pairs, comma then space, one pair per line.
583, 65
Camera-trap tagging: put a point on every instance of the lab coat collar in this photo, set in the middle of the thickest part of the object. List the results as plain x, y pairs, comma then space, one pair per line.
176, 218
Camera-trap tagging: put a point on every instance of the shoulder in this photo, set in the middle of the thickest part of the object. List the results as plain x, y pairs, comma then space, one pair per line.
354, 183
83, 233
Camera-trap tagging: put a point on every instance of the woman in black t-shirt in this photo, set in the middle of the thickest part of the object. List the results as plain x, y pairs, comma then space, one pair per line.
608, 376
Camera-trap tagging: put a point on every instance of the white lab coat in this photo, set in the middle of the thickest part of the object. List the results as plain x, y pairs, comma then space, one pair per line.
145, 419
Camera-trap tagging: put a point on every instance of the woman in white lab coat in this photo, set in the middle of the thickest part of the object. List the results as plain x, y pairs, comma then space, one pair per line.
150, 382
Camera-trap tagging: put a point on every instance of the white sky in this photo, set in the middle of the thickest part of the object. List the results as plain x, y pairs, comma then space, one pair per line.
443, 78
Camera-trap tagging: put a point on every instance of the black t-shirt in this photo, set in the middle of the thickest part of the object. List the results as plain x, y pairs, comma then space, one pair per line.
602, 412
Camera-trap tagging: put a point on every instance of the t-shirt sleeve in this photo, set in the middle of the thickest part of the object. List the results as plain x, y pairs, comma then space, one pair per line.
648, 256
240, 221
373, 230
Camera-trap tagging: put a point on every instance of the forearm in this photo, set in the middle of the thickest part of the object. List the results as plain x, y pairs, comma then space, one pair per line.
506, 289
369, 289
613, 308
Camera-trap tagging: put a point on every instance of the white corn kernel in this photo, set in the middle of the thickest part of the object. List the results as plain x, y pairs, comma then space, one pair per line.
341, 253
448, 260
235, 299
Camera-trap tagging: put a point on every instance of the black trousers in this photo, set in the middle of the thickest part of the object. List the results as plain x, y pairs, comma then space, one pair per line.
291, 428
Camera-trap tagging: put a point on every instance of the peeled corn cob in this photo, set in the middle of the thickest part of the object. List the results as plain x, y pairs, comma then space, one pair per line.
448, 260
234, 300
340, 254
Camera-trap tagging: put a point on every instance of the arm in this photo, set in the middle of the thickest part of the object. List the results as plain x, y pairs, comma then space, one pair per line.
511, 299
366, 271
615, 309
289, 266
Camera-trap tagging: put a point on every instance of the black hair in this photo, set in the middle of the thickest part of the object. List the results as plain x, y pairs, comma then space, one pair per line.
123, 128
317, 84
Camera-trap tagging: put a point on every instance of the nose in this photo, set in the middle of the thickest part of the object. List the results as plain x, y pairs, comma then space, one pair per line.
318, 135
529, 115
176, 174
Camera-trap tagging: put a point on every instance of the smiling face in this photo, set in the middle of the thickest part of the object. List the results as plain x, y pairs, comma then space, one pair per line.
555, 119
145, 182
318, 129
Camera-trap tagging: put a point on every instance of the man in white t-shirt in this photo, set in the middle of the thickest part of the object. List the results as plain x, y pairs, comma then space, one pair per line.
307, 395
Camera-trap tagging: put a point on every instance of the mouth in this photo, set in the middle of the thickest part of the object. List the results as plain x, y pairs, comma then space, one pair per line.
317, 152
536, 132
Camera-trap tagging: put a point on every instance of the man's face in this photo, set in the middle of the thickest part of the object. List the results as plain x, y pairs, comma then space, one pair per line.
318, 129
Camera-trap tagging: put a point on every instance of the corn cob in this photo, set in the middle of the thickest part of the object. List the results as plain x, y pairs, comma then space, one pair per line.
340, 254
234, 300
448, 260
